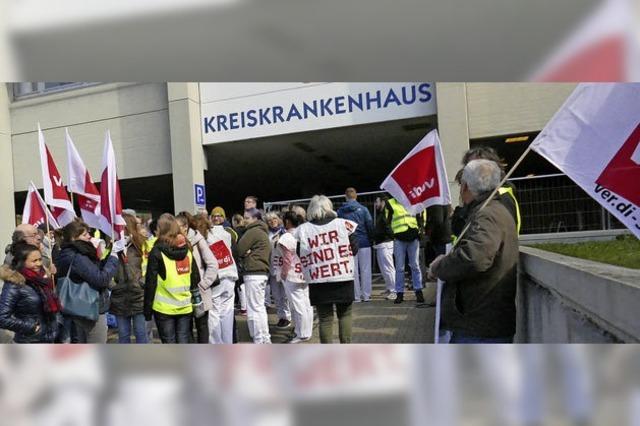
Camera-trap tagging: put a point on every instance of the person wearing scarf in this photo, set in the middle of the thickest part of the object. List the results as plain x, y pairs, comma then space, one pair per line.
28, 303
80, 255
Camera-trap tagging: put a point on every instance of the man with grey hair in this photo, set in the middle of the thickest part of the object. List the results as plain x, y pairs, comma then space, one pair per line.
23, 233
480, 273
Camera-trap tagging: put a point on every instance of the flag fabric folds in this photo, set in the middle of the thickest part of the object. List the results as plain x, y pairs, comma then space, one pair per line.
595, 140
420, 180
111, 221
80, 183
55, 193
36, 211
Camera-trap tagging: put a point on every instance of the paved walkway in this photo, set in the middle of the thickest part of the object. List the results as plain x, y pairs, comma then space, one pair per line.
378, 321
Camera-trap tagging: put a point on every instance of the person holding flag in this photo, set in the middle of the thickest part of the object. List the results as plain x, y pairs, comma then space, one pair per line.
418, 182
507, 190
406, 230
79, 258
480, 272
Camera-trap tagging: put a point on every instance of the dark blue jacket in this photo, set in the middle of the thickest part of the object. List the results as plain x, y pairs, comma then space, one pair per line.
353, 210
98, 274
21, 310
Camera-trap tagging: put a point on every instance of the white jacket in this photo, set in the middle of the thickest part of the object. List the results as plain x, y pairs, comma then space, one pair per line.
219, 241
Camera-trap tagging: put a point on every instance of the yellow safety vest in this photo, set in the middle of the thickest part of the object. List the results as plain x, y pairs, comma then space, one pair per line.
146, 249
401, 220
173, 294
508, 190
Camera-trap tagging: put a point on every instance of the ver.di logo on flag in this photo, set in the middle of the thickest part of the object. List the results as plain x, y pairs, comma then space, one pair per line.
622, 174
419, 182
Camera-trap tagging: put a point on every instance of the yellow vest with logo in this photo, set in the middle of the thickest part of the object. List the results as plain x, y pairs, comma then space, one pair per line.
146, 249
173, 294
401, 220
508, 190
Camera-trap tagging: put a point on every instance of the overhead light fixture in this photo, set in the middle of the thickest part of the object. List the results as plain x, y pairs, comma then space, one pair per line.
517, 139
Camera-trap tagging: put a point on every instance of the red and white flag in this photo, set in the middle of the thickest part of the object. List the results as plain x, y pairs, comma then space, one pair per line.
55, 193
603, 48
595, 140
35, 210
420, 180
111, 221
80, 183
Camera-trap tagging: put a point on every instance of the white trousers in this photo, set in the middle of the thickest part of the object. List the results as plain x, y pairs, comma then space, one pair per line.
257, 318
384, 254
362, 274
280, 298
242, 293
220, 319
298, 294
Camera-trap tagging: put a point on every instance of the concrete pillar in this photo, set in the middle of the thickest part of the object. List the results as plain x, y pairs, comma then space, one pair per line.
453, 127
187, 155
7, 207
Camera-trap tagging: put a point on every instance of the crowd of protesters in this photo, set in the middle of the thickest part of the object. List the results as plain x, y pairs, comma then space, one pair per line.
187, 275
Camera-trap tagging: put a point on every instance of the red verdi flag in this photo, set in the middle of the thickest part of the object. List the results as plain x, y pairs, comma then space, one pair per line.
595, 139
55, 193
420, 180
603, 48
36, 211
111, 221
80, 183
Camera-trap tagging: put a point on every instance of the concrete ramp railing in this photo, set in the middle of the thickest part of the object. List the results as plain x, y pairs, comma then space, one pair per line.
563, 299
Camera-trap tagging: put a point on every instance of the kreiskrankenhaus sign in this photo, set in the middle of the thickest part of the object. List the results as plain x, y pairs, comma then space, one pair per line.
238, 111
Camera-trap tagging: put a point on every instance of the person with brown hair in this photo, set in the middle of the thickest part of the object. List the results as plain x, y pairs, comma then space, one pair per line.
78, 254
250, 202
192, 227
127, 297
172, 277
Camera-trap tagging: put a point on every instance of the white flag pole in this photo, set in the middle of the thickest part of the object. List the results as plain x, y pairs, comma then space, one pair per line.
439, 285
46, 218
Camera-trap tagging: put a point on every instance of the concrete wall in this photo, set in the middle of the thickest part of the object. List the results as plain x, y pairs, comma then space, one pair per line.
187, 154
7, 218
562, 299
453, 128
506, 108
136, 114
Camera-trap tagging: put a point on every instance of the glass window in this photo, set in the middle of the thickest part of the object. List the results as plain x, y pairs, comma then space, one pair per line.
25, 89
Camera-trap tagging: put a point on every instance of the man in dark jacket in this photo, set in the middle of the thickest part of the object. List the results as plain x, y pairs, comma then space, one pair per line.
480, 272
254, 249
356, 212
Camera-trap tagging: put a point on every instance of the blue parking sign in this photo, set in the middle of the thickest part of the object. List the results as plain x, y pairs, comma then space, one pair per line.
201, 199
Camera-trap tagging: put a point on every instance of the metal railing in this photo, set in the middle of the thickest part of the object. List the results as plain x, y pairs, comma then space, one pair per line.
554, 203
548, 203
